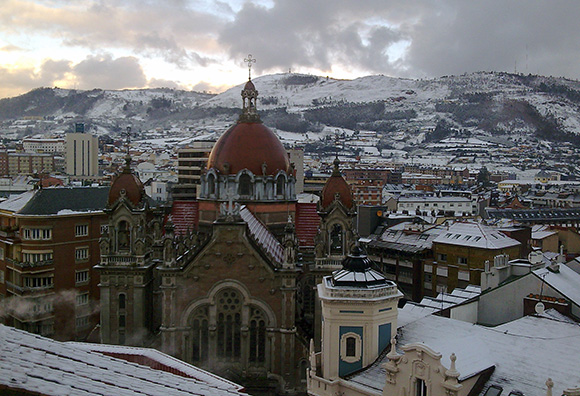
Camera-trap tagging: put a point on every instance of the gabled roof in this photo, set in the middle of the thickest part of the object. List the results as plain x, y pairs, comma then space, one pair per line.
60, 201
475, 235
566, 281
262, 236
39, 365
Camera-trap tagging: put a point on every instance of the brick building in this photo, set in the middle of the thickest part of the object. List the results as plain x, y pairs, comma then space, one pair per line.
48, 247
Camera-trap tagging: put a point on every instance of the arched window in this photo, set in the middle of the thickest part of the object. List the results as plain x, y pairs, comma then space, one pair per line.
211, 185
229, 323
351, 346
200, 339
245, 185
280, 186
336, 240
257, 336
123, 235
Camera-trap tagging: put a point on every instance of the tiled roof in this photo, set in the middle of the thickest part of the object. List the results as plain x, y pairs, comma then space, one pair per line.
39, 365
184, 215
261, 235
66, 200
307, 223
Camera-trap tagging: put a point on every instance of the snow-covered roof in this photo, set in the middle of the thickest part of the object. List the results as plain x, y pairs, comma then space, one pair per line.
36, 364
475, 235
566, 281
524, 352
17, 202
261, 234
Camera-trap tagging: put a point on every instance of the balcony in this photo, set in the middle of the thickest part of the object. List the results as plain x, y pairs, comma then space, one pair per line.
330, 263
25, 264
26, 290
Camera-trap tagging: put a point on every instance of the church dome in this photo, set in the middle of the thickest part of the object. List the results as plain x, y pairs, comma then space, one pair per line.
336, 185
127, 184
249, 146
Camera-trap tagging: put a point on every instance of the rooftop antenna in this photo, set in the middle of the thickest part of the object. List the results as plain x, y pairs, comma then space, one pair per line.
249, 60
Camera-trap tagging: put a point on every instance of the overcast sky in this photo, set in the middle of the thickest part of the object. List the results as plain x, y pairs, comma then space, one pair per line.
201, 44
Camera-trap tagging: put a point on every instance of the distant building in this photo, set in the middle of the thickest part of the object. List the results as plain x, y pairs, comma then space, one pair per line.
41, 145
190, 163
460, 253
14, 164
82, 154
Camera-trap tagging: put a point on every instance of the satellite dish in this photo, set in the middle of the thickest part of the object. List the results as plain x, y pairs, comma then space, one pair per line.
540, 308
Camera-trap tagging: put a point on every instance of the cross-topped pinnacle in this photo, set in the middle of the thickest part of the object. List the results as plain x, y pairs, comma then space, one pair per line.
249, 60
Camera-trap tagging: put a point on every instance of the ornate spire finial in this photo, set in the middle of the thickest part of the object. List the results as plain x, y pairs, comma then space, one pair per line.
550, 385
249, 60
127, 168
249, 96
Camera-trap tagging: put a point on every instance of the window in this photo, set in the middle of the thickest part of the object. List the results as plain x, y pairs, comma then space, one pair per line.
280, 184
82, 254
104, 229
462, 260
211, 185
37, 233
81, 230
442, 257
257, 336
82, 322
493, 390
122, 321
82, 299
39, 282
336, 240
245, 185
81, 276
122, 300
229, 321
420, 387
1, 253
36, 257
351, 346
200, 334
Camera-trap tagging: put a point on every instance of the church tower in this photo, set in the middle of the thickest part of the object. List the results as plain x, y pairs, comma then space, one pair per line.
130, 247
359, 317
337, 211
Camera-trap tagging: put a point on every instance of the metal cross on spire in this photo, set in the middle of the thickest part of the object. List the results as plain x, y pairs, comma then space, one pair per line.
249, 60
128, 138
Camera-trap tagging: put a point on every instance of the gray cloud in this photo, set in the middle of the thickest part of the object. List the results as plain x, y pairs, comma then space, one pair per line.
541, 37
444, 37
108, 73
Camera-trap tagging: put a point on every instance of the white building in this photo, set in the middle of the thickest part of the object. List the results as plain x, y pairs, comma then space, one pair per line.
430, 203
82, 154
41, 145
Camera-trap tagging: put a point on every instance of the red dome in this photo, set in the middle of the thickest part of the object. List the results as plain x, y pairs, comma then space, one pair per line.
248, 146
336, 185
128, 184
